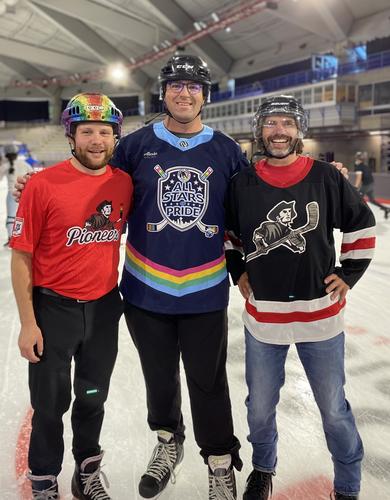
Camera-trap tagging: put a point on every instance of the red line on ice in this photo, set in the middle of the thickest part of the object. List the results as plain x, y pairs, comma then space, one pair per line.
21, 456
316, 488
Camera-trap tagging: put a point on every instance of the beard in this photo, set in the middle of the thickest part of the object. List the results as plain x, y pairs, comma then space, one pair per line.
85, 159
281, 151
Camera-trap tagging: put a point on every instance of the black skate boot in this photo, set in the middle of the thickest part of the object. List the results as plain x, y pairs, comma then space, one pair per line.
44, 487
166, 456
86, 483
222, 483
258, 485
340, 496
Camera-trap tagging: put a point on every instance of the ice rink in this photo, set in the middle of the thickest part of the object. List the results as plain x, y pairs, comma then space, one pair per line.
304, 468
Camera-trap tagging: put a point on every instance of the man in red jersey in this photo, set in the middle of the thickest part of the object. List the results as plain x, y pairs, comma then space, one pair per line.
284, 211
64, 274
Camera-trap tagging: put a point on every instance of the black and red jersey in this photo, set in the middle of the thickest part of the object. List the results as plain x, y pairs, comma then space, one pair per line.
285, 218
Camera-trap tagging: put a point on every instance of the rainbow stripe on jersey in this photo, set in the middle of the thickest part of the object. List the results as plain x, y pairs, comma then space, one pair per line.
172, 281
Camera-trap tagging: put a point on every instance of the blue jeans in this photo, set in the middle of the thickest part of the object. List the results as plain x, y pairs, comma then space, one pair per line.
324, 366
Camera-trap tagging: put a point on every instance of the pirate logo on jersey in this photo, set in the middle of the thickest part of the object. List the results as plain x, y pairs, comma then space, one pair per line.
183, 197
278, 231
97, 228
101, 219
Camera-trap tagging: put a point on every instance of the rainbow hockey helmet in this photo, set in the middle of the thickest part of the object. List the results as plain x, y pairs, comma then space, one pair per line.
91, 107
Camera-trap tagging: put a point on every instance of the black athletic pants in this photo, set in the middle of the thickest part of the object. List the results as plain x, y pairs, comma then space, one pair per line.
368, 190
88, 333
201, 340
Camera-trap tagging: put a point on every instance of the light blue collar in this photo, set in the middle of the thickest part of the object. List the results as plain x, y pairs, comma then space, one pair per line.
183, 143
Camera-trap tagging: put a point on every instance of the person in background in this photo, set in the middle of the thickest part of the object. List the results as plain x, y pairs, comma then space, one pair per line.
13, 166
364, 182
283, 213
65, 255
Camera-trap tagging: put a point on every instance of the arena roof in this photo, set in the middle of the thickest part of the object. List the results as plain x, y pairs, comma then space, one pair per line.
51, 46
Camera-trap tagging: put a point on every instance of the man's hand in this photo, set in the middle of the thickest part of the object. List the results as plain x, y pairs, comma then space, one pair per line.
20, 184
341, 168
29, 337
337, 287
244, 286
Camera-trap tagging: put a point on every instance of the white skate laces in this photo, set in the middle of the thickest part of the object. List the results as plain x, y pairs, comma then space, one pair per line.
222, 485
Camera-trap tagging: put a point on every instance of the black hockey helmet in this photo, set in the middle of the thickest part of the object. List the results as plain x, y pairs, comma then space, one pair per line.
280, 105
186, 67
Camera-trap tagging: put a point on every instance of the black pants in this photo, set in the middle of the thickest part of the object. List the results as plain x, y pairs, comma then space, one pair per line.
201, 339
368, 190
88, 333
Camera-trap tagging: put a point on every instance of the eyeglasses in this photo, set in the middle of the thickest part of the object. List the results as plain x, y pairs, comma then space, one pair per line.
285, 123
192, 87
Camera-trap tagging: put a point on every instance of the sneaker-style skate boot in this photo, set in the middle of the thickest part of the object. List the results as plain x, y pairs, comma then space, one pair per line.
258, 485
340, 496
166, 456
222, 483
86, 481
44, 487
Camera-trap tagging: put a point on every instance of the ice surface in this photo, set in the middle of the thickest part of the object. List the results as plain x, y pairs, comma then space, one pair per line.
304, 468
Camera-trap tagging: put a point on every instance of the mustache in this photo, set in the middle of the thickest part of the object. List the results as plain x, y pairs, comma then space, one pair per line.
280, 137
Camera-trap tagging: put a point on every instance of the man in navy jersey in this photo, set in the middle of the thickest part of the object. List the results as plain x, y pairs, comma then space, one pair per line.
284, 211
175, 283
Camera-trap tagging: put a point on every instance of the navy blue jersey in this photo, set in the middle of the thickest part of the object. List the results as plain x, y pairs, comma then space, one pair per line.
175, 260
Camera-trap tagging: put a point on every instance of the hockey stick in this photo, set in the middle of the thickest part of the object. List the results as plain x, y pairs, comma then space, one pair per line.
209, 229
120, 214
313, 214
155, 227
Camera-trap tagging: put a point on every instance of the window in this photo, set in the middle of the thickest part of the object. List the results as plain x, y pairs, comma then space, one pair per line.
249, 107
318, 94
351, 93
341, 93
242, 107
365, 96
328, 93
307, 96
382, 93
298, 95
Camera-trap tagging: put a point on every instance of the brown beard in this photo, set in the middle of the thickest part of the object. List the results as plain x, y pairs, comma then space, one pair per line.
83, 159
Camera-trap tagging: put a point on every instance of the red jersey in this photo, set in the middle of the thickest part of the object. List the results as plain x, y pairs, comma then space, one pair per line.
71, 223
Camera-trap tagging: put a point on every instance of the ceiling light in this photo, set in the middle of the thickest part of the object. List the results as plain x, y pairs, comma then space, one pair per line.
117, 73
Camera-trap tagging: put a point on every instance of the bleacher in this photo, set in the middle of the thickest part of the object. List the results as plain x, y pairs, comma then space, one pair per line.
47, 143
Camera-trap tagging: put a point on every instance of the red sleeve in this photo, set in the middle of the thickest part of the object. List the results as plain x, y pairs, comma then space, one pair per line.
30, 217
